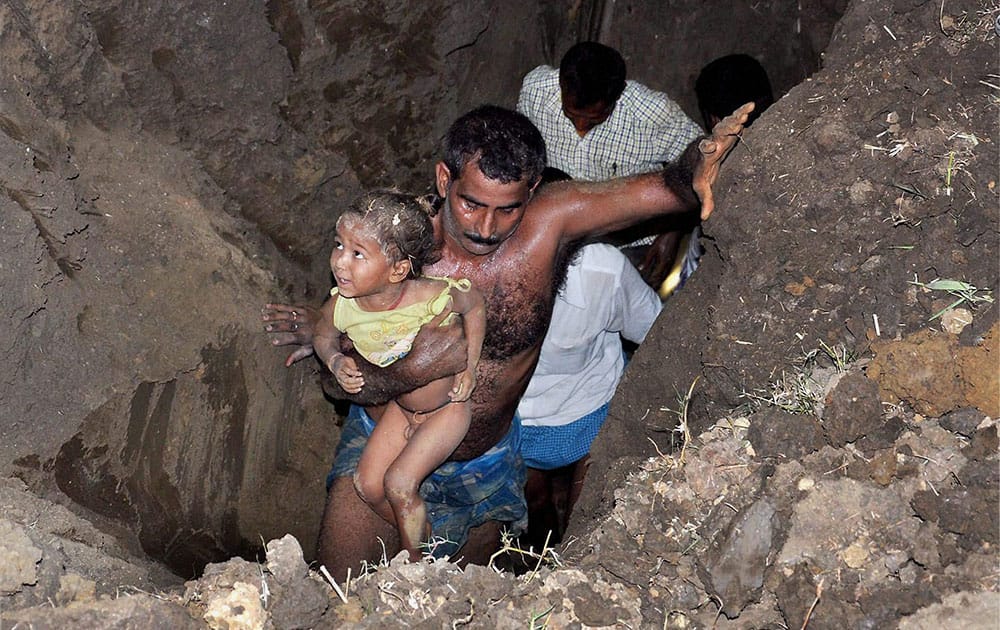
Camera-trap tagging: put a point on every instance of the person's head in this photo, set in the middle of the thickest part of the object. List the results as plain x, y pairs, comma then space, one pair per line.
552, 175
729, 82
383, 238
591, 78
493, 159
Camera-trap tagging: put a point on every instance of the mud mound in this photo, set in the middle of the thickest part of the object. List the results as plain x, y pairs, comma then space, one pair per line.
845, 202
718, 531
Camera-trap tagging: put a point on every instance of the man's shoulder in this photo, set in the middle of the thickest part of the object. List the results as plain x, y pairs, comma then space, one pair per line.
542, 74
652, 107
636, 90
539, 89
541, 80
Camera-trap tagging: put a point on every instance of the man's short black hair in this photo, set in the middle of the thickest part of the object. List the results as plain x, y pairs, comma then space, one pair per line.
592, 73
729, 82
507, 145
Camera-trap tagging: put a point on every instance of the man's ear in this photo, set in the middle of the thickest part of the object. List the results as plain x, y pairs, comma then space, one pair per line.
442, 178
400, 270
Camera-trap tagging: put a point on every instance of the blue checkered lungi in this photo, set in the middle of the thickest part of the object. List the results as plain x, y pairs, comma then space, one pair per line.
549, 447
458, 495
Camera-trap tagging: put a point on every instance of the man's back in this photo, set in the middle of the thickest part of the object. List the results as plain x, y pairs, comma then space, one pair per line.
602, 301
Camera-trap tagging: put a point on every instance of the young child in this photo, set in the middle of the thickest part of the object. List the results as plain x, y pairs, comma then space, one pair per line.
381, 301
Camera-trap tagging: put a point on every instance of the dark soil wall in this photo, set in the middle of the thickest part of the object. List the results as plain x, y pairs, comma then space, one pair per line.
878, 171
666, 44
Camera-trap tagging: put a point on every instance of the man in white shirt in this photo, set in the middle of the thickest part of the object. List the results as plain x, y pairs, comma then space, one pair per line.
602, 301
597, 125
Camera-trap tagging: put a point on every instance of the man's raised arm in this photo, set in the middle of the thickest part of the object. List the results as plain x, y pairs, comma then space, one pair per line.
437, 352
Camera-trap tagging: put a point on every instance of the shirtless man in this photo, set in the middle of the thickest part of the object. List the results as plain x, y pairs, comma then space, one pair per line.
512, 242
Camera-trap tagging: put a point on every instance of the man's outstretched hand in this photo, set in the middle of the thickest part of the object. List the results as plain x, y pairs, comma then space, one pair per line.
714, 150
291, 324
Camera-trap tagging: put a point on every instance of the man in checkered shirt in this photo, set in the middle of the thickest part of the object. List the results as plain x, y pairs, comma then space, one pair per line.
597, 126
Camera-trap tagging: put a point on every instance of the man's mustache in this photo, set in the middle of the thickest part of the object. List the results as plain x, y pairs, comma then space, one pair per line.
480, 240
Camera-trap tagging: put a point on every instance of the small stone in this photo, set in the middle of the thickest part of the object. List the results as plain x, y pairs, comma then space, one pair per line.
883, 467
18, 557
856, 555
955, 320
896, 560
285, 560
75, 588
908, 575
239, 609
677, 619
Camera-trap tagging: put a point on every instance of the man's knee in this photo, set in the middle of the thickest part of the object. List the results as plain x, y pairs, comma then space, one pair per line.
480, 545
368, 488
351, 532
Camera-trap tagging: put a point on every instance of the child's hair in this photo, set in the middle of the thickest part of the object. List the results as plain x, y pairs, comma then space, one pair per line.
399, 222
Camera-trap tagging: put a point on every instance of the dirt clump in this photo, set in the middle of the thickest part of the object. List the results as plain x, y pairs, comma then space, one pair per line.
936, 375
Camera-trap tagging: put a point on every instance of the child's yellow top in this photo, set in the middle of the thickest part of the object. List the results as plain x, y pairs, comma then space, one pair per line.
382, 337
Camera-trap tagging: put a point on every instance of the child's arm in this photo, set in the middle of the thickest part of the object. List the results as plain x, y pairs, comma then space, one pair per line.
471, 306
326, 342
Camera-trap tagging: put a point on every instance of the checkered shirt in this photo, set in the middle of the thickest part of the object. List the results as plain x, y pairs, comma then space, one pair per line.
645, 130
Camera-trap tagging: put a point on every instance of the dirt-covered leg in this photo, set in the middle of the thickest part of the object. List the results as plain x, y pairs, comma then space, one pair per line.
351, 532
429, 446
387, 441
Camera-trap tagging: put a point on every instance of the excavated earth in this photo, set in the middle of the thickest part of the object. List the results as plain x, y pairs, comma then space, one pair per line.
807, 438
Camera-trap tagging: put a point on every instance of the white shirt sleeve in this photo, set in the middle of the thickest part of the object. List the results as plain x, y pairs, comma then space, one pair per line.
638, 304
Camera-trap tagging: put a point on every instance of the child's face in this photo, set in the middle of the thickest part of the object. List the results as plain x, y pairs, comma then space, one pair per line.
357, 261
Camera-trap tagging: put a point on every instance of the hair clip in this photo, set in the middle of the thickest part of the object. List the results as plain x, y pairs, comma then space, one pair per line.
395, 219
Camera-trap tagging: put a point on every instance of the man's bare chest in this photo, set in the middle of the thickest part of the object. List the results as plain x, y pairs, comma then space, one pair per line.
518, 304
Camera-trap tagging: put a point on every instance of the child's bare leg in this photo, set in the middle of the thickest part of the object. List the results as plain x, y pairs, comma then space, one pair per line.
429, 446
384, 446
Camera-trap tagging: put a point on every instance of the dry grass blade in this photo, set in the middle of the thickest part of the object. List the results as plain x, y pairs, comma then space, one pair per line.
684, 429
333, 583
819, 594
962, 291
510, 545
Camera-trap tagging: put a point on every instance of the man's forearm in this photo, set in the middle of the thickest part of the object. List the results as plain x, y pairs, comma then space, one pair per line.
381, 384
678, 175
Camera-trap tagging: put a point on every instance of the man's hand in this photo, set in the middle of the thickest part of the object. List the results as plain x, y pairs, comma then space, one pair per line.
438, 350
290, 324
713, 151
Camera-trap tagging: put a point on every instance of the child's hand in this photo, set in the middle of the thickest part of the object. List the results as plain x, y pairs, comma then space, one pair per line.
347, 373
465, 382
